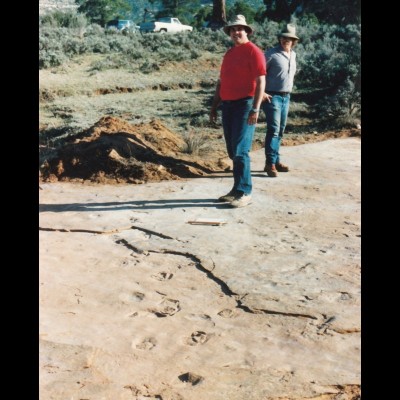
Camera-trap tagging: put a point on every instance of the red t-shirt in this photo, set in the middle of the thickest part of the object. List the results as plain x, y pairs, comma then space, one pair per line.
240, 67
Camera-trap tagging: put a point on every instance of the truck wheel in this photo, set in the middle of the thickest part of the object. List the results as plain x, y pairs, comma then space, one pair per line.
163, 31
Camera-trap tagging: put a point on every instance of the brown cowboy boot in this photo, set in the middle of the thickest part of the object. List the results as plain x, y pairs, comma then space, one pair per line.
281, 167
271, 170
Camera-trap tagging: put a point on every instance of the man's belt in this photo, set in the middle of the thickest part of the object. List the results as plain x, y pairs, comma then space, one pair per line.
235, 101
278, 93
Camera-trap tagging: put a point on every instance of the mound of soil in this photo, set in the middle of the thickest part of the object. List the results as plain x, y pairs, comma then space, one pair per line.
115, 151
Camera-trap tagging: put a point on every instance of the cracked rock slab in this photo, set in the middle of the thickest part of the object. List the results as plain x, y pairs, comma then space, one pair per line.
134, 301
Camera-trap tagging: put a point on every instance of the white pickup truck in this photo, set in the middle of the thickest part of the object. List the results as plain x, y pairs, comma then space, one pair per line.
165, 25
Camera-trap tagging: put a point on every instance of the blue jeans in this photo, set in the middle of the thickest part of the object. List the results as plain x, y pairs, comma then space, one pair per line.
276, 114
238, 138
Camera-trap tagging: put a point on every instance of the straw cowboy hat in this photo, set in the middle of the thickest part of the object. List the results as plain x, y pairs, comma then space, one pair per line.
289, 32
238, 20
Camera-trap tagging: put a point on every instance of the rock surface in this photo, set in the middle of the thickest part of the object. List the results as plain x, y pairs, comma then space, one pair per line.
135, 302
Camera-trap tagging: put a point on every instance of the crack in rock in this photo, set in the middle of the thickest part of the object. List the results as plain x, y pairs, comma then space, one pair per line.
223, 286
108, 232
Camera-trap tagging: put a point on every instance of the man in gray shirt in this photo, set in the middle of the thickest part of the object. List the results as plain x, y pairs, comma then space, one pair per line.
281, 68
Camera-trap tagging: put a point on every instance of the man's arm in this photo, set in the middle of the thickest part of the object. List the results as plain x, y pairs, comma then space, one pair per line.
267, 97
260, 87
215, 103
258, 97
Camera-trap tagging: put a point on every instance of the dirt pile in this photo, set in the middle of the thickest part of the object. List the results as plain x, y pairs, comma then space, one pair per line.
115, 151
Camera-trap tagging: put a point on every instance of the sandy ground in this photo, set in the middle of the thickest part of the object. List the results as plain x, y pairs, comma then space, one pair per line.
137, 303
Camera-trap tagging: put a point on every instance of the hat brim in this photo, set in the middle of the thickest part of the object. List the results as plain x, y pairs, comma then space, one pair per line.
247, 28
288, 35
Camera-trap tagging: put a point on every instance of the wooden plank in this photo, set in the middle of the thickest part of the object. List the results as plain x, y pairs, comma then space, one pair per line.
207, 221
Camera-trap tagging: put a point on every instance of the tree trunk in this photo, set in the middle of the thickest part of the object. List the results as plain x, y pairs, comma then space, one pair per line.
219, 12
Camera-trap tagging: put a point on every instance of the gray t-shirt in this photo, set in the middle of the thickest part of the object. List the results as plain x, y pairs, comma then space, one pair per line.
280, 70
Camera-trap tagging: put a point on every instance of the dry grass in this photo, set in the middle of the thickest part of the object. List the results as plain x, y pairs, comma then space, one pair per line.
77, 76
73, 97
195, 143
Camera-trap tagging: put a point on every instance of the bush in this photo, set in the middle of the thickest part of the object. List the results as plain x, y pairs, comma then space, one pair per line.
342, 108
110, 62
148, 67
201, 121
328, 55
51, 58
194, 143
73, 46
63, 19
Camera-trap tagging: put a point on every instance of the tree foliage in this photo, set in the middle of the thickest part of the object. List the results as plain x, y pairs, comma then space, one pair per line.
144, 10
243, 8
278, 10
338, 11
184, 10
335, 12
102, 11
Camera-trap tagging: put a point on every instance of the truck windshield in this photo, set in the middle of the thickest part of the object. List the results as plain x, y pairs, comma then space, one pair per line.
123, 23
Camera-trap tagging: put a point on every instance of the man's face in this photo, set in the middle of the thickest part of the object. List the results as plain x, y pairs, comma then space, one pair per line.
286, 43
238, 34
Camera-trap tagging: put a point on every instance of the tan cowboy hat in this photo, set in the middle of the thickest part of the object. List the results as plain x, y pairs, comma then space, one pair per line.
289, 32
238, 20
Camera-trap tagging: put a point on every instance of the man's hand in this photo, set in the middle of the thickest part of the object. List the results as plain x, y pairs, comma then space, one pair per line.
213, 115
252, 118
266, 97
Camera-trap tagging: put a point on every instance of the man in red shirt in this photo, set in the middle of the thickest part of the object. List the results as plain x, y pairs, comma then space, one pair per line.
240, 91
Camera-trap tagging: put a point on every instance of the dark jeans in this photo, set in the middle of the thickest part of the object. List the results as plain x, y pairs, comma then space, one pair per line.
238, 138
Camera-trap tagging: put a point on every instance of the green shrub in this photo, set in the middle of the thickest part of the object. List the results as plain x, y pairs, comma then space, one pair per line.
51, 58
328, 55
110, 62
343, 107
98, 44
63, 19
201, 121
148, 67
73, 46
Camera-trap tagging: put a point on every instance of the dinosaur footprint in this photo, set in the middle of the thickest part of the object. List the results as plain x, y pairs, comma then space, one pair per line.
147, 344
227, 313
197, 337
168, 307
162, 276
